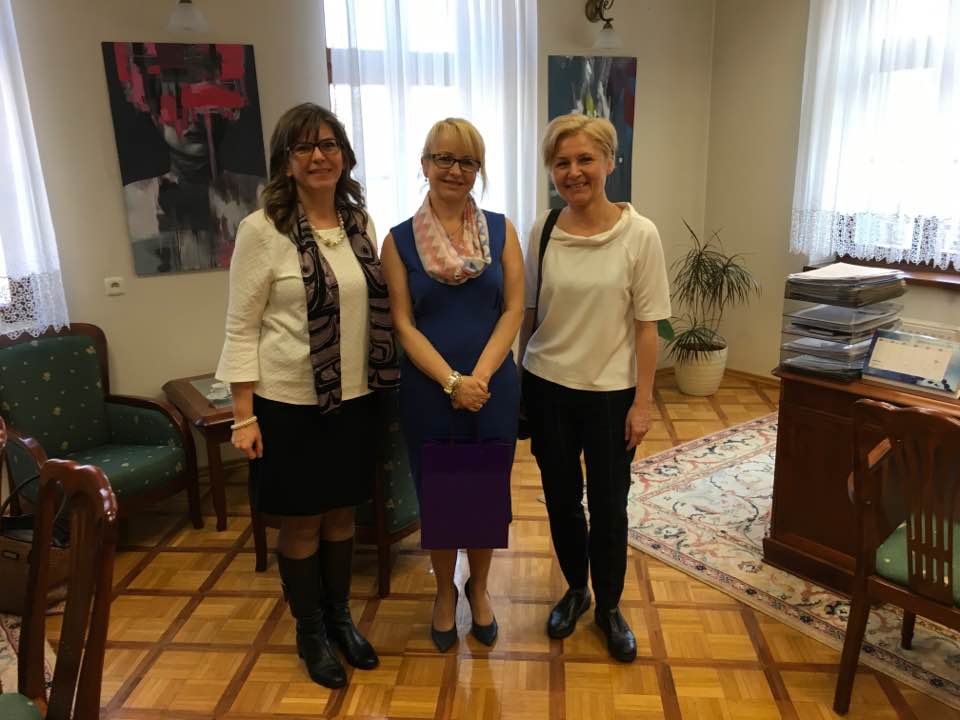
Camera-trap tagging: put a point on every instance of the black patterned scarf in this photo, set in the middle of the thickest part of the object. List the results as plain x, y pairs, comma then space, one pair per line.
323, 311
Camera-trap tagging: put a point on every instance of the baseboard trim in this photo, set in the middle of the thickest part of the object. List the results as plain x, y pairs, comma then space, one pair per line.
771, 380
762, 379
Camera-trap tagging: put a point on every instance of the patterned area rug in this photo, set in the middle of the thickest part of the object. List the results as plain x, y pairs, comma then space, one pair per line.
9, 642
704, 508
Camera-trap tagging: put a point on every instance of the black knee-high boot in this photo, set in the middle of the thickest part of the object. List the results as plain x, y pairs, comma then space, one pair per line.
336, 558
301, 584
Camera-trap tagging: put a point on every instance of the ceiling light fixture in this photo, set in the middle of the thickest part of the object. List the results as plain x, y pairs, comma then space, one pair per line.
606, 37
186, 17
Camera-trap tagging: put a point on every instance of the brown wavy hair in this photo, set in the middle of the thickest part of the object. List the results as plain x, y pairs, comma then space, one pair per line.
303, 122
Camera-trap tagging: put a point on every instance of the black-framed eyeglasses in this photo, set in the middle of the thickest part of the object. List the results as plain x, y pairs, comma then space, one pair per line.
446, 161
302, 150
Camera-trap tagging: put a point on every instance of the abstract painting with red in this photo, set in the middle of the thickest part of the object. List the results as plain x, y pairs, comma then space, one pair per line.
186, 118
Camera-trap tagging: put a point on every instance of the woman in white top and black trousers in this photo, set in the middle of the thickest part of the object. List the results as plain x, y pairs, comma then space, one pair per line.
309, 339
589, 365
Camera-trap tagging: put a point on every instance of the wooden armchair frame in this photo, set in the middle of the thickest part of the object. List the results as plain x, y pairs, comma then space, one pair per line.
911, 476
78, 672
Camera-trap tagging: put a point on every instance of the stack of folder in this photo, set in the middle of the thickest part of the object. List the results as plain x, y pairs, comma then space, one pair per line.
831, 315
846, 285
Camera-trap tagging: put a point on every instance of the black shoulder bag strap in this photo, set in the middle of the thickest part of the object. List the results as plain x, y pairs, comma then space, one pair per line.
544, 240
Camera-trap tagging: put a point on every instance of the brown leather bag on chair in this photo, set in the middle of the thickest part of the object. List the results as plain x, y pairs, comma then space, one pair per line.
16, 539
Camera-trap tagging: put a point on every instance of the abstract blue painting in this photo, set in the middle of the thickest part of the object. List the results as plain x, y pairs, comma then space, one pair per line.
597, 86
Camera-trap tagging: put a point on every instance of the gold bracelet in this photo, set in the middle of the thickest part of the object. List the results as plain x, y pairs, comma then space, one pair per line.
244, 423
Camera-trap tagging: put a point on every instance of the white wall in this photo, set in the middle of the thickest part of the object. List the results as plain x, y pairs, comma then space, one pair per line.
672, 43
754, 125
166, 326
929, 303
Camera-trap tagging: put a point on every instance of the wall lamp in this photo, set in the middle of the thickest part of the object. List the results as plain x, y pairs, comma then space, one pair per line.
606, 37
186, 17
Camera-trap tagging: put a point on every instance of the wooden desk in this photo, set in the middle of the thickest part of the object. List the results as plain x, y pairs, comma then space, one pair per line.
213, 423
812, 530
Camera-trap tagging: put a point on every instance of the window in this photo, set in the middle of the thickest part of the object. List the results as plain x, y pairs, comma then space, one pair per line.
879, 158
31, 289
398, 66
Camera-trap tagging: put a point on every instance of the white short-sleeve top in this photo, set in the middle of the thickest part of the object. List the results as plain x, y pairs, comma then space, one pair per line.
267, 341
593, 289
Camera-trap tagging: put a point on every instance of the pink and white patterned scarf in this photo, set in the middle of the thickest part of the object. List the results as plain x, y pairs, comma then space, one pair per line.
443, 260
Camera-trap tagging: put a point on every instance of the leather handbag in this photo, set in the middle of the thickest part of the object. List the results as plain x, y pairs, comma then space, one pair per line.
465, 494
523, 424
16, 542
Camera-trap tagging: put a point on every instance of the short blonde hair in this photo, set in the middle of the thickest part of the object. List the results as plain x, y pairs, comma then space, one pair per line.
464, 132
598, 129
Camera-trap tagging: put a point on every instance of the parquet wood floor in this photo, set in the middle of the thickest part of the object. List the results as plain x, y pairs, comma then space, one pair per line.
196, 633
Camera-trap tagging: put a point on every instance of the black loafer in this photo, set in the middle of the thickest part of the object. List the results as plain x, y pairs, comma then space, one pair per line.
487, 634
563, 617
621, 642
445, 639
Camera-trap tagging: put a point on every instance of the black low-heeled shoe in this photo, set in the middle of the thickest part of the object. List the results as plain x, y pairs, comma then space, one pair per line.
563, 617
487, 634
445, 639
621, 642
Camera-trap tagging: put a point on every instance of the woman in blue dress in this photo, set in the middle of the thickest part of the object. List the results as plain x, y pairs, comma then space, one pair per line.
455, 276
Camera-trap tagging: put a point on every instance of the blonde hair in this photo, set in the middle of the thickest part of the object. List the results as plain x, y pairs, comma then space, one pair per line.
465, 133
598, 129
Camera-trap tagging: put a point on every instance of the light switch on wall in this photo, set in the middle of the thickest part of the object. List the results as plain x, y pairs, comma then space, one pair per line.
114, 285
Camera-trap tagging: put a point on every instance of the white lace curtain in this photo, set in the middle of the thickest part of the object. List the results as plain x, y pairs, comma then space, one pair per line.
398, 66
878, 167
31, 288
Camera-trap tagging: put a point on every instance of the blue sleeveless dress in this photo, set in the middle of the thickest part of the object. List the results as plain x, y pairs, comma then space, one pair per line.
458, 320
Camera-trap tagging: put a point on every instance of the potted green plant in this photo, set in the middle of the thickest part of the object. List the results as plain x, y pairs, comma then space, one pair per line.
706, 281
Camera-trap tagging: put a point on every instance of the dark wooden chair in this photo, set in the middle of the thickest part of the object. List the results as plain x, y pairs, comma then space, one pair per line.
385, 530
3, 450
55, 397
907, 509
77, 675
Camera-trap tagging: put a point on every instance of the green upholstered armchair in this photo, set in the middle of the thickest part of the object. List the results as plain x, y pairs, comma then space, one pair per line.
394, 511
55, 398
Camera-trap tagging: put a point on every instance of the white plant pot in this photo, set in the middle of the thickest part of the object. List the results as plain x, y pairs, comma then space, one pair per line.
703, 375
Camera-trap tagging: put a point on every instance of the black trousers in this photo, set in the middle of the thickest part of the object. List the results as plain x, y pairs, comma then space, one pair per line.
563, 423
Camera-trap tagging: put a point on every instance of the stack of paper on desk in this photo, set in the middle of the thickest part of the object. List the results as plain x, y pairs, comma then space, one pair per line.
845, 284
825, 320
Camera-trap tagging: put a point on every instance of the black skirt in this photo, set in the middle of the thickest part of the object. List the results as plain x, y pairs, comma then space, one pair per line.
313, 462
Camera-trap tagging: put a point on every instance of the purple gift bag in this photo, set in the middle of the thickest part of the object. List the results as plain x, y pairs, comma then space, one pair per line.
465, 494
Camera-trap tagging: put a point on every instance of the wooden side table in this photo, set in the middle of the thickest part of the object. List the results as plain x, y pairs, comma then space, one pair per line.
213, 423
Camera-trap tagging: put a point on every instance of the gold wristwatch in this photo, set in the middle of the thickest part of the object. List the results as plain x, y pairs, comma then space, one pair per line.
453, 382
